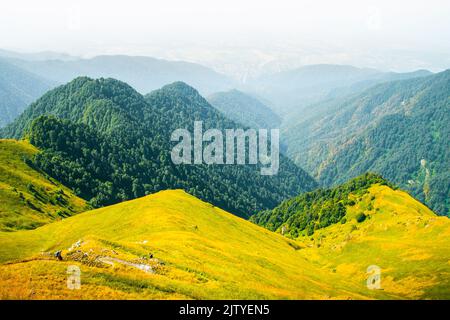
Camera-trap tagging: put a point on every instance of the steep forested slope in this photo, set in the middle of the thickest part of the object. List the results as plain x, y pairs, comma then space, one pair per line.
108, 143
398, 129
245, 109
294, 92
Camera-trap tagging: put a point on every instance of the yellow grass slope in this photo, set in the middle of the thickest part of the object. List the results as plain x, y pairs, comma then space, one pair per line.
171, 245
401, 236
199, 252
28, 198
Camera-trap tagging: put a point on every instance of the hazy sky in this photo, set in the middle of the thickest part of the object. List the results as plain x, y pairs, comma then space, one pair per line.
395, 34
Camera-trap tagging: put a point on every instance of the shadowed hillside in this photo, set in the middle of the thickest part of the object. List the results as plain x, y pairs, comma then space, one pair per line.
28, 197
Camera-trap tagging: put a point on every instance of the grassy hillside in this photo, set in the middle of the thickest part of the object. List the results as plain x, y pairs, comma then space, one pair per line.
29, 198
400, 235
199, 251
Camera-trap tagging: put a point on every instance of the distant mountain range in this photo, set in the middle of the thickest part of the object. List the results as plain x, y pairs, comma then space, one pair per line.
36, 56
24, 77
294, 91
18, 88
398, 129
289, 94
142, 73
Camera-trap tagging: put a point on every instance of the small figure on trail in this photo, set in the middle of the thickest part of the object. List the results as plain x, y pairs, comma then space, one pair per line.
58, 255
151, 255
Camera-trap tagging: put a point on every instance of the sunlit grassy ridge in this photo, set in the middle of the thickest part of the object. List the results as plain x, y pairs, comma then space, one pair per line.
28, 198
403, 237
197, 251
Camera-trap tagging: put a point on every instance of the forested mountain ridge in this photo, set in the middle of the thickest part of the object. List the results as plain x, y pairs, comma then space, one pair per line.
110, 144
398, 129
78, 101
18, 88
310, 211
244, 109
